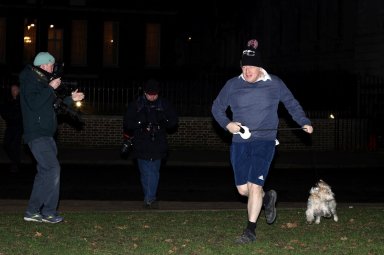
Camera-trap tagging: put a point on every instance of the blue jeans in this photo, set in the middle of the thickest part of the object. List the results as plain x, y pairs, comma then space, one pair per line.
149, 176
45, 192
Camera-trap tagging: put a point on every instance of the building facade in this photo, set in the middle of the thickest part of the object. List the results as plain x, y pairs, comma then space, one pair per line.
154, 37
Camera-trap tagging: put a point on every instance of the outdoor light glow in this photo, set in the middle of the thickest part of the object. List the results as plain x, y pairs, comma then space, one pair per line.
51, 26
30, 26
27, 39
331, 116
78, 104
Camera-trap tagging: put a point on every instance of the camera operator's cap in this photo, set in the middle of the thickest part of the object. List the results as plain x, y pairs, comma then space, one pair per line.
151, 87
43, 58
251, 54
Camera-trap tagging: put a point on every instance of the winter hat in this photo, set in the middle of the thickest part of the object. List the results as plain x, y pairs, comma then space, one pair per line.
151, 87
251, 54
43, 58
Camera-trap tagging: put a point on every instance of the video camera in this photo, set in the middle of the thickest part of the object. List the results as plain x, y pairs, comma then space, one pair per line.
64, 90
127, 146
66, 87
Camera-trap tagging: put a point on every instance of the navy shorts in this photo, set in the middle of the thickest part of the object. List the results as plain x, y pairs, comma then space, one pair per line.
251, 161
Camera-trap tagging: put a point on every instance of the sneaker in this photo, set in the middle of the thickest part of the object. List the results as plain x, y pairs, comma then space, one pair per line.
155, 204
52, 219
34, 217
269, 203
147, 206
246, 237
151, 205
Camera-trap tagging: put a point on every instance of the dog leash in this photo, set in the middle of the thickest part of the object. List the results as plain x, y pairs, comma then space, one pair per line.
245, 133
278, 129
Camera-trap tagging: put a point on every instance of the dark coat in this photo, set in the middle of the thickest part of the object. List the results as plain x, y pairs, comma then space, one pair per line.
11, 113
37, 98
148, 123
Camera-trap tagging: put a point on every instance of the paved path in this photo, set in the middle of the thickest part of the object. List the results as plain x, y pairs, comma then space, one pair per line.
198, 158
18, 206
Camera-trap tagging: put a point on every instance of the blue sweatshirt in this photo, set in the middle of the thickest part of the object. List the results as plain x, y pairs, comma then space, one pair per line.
255, 105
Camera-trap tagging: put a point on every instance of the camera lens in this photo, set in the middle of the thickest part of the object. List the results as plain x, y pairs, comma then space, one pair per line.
126, 147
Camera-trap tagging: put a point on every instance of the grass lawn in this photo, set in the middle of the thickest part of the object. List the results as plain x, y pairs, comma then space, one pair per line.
360, 230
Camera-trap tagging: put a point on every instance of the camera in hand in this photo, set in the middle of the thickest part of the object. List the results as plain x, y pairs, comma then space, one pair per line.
127, 146
62, 108
64, 90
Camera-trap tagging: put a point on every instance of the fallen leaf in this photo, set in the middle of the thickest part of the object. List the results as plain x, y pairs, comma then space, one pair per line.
289, 225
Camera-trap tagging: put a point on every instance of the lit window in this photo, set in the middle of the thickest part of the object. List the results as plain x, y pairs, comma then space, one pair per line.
111, 43
79, 43
152, 45
29, 40
55, 42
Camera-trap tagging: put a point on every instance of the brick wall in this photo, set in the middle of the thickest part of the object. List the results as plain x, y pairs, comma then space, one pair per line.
193, 132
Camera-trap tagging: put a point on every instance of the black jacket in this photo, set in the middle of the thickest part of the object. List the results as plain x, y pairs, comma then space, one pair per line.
37, 99
11, 113
148, 123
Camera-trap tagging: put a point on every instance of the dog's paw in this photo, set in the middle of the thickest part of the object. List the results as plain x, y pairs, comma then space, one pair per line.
335, 218
309, 217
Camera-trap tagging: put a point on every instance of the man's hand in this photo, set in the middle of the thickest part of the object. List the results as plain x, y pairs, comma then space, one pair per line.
55, 83
233, 127
308, 129
77, 96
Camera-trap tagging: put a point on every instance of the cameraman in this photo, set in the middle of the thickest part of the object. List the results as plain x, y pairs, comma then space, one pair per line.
37, 97
148, 119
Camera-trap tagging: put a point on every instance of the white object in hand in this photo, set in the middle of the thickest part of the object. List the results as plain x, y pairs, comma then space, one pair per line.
244, 132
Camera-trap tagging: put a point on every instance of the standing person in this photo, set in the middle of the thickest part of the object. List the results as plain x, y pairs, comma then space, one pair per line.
11, 113
147, 119
37, 97
253, 98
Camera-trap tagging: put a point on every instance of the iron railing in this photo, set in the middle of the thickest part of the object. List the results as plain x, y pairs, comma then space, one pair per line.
194, 99
111, 97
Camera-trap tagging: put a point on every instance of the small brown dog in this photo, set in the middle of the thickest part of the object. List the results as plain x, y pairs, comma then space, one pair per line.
321, 203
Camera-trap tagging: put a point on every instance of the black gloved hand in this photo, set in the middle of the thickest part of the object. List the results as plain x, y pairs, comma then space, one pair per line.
126, 147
